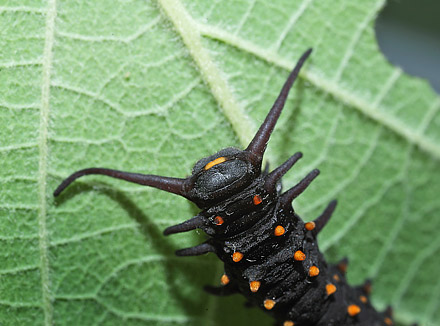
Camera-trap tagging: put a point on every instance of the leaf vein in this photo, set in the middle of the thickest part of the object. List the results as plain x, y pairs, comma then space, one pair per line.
292, 21
19, 206
14, 106
130, 315
344, 184
18, 147
245, 17
398, 224
355, 39
21, 9
19, 304
329, 139
430, 114
14, 64
388, 86
432, 305
138, 261
127, 39
414, 269
91, 235
19, 269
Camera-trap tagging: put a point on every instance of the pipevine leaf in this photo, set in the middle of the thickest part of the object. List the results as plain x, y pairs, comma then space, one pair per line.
152, 87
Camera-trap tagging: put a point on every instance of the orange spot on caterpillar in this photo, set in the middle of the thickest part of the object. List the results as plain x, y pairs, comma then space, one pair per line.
313, 271
254, 286
257, 200
289, 323
342, 266
367, 288
388, 321
279, 231
330, 289
363, 298
310, 226
218, 220
353, 310
237, 256
269, 304
215, 162
336, 277
224, 280
299, 255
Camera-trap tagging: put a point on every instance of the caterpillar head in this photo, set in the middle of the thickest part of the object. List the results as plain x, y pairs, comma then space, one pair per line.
222, 174
219, 175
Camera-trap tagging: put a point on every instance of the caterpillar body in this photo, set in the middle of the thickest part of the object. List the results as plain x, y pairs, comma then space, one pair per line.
270, 255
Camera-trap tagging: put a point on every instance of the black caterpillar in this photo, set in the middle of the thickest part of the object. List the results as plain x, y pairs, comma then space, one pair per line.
271, 256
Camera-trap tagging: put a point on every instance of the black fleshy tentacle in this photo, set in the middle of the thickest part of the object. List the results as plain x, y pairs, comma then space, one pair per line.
259, 143
168, 184
200, 249
297, 190
191, 224
322, 219
273, 177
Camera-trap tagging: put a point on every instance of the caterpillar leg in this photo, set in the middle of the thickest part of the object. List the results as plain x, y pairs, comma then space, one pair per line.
201, 249
191, 224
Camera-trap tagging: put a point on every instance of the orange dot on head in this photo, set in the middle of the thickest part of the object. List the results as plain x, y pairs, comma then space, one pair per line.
215, 162
330, 288
313, 271
269, 304
218, 220
254, 286
289, 323
353, 310
237, 256
257, 200
299, 255
310, 226
363, 298
388, 321
224, 280
279, 231
336, 277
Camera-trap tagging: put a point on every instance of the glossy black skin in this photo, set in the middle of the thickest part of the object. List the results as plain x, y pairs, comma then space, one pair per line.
249, 229
227, 190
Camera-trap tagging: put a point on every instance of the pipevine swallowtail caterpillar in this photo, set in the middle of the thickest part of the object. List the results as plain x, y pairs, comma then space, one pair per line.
270, 255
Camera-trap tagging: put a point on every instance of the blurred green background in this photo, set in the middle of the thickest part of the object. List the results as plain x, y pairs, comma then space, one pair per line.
408, 33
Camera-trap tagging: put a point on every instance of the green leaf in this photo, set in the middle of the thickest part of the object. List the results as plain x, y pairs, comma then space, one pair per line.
154, 86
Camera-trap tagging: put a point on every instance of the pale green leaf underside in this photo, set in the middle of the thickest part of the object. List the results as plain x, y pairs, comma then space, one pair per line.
153, 86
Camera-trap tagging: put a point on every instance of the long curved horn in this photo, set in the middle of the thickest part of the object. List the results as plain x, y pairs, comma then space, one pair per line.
258, 145
173, 185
